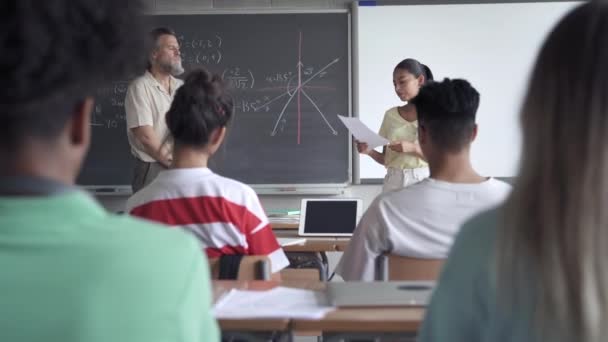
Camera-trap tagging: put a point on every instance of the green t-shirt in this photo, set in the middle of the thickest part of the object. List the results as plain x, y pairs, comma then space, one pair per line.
464, 307
73, 272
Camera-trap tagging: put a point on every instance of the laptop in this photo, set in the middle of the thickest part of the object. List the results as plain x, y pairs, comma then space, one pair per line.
390, 293
329, 217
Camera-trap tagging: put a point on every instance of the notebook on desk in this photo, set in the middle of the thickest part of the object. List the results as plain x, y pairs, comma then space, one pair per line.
329, 216
389, 293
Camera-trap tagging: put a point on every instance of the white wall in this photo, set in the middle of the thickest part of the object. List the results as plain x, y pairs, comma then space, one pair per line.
493, 46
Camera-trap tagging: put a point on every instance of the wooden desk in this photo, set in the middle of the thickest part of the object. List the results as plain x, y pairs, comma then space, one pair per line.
368, 320
256, 325
284, 226
313, 250
313, 244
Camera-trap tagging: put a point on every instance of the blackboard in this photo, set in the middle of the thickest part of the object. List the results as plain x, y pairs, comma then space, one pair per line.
289, 77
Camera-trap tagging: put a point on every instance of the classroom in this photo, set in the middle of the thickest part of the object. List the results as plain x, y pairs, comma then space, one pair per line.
278, 75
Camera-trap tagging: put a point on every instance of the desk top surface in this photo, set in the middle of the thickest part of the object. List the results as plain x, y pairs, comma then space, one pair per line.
367, 319
284, 225
314, 243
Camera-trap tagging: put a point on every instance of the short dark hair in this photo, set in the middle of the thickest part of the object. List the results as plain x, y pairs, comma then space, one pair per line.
415, 68
200, 106
447, 109
55, 53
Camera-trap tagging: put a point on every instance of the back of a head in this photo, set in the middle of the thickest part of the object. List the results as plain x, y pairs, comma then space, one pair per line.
201, 105
447, 109
556, 218
54, 54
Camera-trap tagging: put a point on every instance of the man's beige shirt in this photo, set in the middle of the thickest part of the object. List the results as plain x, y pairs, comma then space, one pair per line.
146, 104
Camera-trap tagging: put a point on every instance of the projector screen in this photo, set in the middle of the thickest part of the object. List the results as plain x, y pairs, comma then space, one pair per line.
493, 46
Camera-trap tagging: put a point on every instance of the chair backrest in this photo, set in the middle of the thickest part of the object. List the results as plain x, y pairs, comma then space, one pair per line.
300, 274
251, 267
397, 267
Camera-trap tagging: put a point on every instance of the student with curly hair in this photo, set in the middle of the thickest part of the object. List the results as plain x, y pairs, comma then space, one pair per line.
72, 272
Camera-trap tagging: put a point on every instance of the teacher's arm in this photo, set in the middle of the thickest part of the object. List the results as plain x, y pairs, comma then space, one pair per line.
152, 144
377, 156
412, 148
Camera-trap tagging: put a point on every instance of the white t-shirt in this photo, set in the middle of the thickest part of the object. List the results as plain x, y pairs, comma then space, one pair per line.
420, 221
225, 215
146, 104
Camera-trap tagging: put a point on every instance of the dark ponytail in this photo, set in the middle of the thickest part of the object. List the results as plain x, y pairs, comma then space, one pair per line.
428, 74
415, 68
201, 105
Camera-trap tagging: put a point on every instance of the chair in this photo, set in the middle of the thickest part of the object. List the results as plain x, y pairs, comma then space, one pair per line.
251, 267
397, 267
300, 274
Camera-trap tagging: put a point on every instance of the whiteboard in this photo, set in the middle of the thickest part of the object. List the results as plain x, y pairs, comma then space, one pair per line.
493, 46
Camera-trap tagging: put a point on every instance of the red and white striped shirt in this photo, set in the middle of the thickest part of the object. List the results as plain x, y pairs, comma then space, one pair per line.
224, 214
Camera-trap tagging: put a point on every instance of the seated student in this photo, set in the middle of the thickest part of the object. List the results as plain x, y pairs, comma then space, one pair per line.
422, 219
72, 272
535, 269
224, 214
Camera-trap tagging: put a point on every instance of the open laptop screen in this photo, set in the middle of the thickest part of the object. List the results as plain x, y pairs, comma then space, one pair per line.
329, 216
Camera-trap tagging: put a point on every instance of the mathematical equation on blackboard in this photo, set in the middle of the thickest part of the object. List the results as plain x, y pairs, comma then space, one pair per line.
276, 92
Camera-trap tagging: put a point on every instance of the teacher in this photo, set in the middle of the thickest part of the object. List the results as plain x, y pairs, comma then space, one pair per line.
147, 101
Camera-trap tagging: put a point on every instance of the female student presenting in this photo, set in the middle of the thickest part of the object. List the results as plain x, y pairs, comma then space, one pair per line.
224, 214
402, 158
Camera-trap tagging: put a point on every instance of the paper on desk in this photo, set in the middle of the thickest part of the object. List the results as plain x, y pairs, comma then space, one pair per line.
362, 133
279, 302
285, 219
283, 242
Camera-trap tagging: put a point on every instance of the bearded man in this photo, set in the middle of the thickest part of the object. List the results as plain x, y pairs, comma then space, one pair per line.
147, 101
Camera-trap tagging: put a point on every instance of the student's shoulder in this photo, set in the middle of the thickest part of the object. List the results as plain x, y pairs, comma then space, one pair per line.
414, 191
128, 227
141, 233
149, 193
479, 232
233, 186
499, 187
146, 251
499, 183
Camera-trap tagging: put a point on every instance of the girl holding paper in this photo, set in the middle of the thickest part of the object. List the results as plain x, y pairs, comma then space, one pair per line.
402, 158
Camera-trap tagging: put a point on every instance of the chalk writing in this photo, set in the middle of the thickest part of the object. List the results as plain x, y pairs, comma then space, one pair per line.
238, 78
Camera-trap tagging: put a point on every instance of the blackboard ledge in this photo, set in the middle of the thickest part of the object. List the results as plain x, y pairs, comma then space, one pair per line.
108, 190
260, 189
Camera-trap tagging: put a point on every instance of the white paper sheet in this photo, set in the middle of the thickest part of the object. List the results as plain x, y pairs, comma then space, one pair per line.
362, 133
290, 241
279, 302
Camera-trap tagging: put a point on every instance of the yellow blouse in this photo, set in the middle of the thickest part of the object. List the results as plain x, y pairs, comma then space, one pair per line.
396, 128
